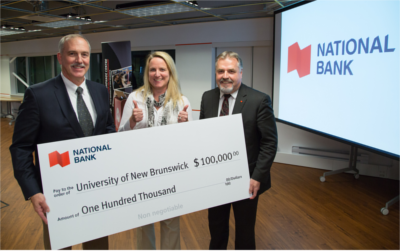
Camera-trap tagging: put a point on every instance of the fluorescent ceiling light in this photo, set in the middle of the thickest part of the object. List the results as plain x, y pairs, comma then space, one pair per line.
157, 10
41, 18
8, 32
65, 23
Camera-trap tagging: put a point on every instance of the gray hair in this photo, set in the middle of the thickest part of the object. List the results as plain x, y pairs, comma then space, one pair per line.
68, 37
230, 54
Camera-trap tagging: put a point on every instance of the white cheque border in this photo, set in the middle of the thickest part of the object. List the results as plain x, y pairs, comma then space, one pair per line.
120, 181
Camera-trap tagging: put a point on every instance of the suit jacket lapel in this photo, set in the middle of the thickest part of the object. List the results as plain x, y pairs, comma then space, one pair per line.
215, 102
241, 99
65, 103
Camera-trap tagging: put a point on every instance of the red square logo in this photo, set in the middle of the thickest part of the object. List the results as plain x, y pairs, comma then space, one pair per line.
61, 159
299, 60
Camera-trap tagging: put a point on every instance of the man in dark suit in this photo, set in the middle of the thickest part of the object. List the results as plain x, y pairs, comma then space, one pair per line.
233, 97
65, 107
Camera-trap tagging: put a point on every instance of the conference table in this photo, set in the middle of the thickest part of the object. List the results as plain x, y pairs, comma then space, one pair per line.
8, 100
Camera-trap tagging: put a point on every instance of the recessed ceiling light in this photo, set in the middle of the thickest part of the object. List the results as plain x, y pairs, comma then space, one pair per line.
193, 3
157, 10
65, 23
8, 32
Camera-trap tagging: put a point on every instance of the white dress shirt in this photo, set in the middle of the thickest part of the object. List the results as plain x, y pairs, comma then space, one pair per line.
231, 101
73, 96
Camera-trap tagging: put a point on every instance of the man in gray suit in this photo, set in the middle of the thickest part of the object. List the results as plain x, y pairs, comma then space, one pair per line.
233, 97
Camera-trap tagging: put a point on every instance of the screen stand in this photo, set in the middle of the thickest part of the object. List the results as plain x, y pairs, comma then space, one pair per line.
385, 210
352, 166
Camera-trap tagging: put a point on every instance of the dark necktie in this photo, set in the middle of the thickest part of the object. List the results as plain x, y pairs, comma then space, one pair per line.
83, 114
225, 106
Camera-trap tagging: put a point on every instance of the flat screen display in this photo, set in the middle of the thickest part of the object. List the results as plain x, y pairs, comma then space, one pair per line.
337, 71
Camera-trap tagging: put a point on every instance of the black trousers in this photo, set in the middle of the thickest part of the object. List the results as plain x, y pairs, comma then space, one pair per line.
245, 212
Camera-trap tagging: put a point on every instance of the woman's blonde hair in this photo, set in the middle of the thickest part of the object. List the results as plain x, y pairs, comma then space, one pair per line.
174, 91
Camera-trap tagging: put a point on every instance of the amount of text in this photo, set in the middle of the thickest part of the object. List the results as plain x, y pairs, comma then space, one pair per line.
215, 160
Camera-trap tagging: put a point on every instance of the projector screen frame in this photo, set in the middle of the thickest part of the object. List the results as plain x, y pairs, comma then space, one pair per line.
286, 8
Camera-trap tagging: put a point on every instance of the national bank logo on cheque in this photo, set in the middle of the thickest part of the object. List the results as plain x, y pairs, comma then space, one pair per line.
329, 55
78, 156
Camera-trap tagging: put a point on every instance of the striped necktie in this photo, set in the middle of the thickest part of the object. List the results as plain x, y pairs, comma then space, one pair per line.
225, 105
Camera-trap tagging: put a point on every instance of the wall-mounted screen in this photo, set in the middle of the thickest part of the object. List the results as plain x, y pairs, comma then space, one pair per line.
337, 71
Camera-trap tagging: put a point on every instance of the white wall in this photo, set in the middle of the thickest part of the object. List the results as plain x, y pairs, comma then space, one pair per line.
262, 69
289, 136
194, 77
5, 87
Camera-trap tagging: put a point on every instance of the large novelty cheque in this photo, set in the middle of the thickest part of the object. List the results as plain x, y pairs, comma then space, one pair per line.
101, 185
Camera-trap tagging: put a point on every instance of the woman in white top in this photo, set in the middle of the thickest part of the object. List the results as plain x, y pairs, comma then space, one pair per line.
158, 102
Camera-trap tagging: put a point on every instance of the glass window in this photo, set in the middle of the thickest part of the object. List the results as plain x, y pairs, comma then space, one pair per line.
138, 64
95, 67
57, 66
171, 53
39, 69
20, 65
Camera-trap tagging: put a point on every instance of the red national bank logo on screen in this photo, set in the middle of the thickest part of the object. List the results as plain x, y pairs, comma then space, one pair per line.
299, 60
61, 159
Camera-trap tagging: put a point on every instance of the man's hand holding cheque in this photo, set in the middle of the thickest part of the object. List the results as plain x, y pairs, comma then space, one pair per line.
40, 206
